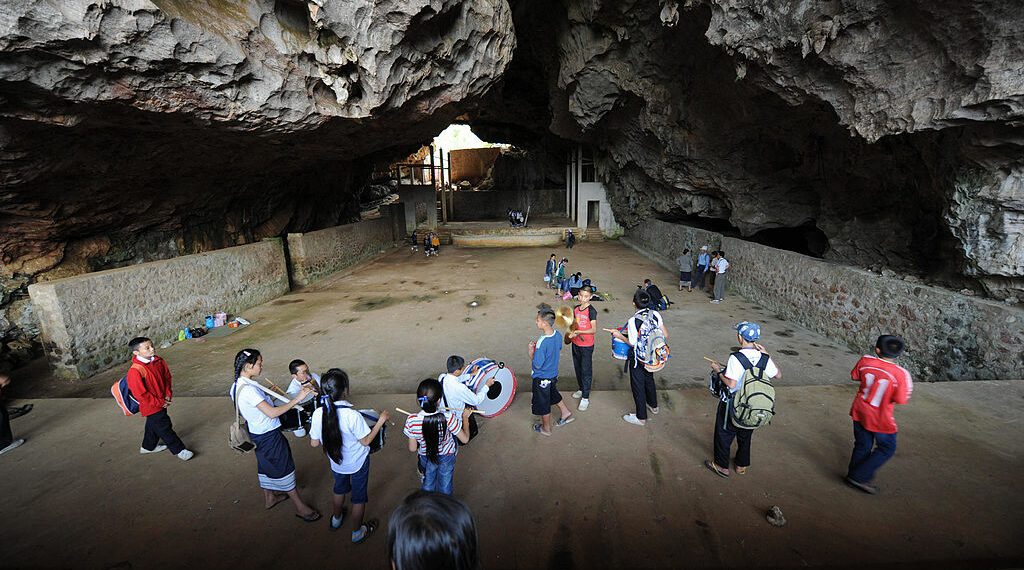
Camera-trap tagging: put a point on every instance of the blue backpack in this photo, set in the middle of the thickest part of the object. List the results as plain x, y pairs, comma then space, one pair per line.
123, 395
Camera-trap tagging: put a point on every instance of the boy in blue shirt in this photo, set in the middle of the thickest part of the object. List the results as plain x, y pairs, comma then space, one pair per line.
544, 363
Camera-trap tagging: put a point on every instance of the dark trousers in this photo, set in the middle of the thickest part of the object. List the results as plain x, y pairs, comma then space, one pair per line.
641, 381
583, 362
699, 278
865, 461
158, 426
6, 435
724, 434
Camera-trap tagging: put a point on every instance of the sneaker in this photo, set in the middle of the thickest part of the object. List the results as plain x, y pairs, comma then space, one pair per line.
577, 394
185, 455
869, 489
716, 301
632, 419
14, 444
584, 404
156, 449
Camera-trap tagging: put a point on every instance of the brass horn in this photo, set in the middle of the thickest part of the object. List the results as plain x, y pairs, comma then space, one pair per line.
563, 317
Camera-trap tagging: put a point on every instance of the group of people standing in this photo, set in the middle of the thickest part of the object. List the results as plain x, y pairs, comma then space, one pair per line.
713, 266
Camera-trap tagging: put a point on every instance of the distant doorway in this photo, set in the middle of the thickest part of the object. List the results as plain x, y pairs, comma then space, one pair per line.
593, 213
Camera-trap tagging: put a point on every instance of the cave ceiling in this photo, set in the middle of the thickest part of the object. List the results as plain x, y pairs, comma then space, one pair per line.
892, 132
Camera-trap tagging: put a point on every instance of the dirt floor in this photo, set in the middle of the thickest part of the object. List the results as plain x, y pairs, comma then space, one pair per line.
599, 493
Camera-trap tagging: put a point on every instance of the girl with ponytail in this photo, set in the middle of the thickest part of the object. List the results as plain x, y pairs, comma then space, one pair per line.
430, 434
345, 437
274, 463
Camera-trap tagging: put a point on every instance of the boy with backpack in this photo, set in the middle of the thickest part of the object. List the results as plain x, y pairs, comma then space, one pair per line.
646, 334
150, 383
883, 383
749, 403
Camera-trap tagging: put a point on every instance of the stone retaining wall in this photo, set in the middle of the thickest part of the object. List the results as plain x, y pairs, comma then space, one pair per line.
949, 336
315, 255
87, 320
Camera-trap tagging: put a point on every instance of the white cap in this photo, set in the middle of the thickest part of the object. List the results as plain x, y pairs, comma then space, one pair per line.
703, 247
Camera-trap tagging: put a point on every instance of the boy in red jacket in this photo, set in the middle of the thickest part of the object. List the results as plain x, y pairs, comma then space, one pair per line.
150, 383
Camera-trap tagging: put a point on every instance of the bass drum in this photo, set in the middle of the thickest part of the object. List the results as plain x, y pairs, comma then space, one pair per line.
371, 417
500, 394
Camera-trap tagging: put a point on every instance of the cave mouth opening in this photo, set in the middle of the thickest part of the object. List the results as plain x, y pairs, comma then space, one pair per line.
807, 238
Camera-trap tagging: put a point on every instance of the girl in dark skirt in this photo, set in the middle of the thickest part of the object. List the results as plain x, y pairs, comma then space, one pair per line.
274, 463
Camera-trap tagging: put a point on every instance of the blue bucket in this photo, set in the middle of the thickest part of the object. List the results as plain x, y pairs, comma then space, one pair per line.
620, 349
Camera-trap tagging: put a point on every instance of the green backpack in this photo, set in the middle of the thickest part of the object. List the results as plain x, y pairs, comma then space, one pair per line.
753, 405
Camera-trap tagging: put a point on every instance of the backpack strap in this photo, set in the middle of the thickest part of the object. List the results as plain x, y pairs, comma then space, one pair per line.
761, 364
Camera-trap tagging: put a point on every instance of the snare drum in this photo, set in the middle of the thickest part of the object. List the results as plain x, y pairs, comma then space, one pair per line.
371, 417
298, 418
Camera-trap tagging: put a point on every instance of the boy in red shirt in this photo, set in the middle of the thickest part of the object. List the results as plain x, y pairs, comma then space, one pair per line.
150, 383
882, 384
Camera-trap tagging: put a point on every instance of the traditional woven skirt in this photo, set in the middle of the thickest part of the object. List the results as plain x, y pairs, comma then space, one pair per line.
274, 462
684, 278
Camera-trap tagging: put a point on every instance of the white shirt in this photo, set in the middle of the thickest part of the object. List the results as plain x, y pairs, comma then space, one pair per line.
458, 395
295, 387
353, 428
634, 335
722, 265
734, 370
249, 397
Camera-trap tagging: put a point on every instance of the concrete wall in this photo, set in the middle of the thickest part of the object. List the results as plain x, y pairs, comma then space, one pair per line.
315, 255
420, 207
87, 320
491, 205
949, 336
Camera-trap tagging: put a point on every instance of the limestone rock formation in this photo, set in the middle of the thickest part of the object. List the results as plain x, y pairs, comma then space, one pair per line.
177, 126
888, 135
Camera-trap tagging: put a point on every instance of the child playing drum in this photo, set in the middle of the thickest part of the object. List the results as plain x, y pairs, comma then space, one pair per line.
346, 439
432, 435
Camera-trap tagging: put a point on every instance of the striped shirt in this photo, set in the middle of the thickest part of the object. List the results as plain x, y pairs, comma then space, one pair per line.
414, 430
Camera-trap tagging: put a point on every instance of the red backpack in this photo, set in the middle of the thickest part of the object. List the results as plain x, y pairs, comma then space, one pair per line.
123, 395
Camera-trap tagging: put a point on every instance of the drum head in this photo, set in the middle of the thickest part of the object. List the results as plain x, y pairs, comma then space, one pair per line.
500, 394
487, 370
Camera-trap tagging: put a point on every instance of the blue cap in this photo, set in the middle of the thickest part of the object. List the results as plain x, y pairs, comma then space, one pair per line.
749, 331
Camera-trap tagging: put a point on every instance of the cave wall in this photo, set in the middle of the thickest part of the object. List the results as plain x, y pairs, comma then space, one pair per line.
919, 173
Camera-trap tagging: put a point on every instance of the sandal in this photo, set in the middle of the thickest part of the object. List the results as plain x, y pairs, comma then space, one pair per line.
538, 429
311, 517
371, 525
718, 470
740, 470
563, 421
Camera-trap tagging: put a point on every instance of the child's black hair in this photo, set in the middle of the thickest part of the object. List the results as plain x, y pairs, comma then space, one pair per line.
647, 281
547, 315
641, 299
434, 424
721, 253
134, 343
294, 365
431, 530
686, 250
244, 356
890, 346
333, 387
455, 363
588, 289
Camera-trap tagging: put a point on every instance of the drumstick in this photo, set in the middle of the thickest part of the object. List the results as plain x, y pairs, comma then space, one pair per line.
710, 360
460, 411
404, 412
272, 385
610, 330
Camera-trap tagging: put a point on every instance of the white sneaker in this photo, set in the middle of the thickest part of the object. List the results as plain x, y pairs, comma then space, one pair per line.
632, 419
584, 404
717, 301
577, 394
156, 449
185, 455
14, 444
